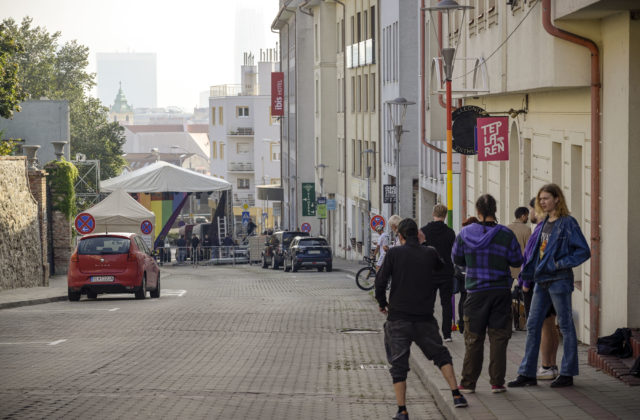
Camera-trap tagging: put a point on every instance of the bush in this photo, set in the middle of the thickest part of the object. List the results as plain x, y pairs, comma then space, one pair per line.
61, 181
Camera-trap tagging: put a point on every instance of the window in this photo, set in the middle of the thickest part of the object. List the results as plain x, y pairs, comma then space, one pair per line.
359, 156
214, 150
243, 148
353, 93
373, 23
373, 92
359, 27
317, 93
213, 115
365, 32
243, 183
358, 94
374, 147
365, 92
353, 39
338, 40
220, 111
274, 150
242, 111
221, 151
275, 181
353, 157
315, 39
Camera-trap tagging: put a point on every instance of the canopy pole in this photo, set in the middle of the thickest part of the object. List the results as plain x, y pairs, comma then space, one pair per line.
172, 219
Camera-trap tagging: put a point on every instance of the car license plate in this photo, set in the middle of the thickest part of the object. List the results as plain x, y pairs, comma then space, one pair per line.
314, 251
96, 279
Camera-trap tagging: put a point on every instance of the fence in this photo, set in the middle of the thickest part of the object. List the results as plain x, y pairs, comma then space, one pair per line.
203, 255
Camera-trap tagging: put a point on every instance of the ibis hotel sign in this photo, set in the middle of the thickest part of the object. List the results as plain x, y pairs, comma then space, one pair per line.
277, 94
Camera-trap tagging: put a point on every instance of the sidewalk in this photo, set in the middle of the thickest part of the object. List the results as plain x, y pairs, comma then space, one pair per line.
595, 394
24, 296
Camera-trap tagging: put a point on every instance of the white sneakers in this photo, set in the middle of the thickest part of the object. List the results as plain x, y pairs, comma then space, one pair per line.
547, 374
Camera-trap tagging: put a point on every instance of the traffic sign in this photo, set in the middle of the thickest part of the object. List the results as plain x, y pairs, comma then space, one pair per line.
376, 221
245, 206
245, 218
85, 223
146, 227
305, 227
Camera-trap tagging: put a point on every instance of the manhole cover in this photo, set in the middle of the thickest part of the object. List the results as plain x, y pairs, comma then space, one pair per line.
359, 331
380, 366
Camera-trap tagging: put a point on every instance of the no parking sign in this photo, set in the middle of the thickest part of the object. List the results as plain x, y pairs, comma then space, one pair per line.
305, 227
146, 227
376, 221
84, 223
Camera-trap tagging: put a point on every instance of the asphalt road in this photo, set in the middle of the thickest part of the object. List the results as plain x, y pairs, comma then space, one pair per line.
220, 343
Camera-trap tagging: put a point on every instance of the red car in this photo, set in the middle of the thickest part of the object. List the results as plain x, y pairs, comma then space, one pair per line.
112, 263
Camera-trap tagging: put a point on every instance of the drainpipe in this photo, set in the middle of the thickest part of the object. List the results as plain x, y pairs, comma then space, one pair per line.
594, 283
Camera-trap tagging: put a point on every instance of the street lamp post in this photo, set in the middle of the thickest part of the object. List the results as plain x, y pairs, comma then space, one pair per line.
320, 168
368, 248
399, 105
448, 55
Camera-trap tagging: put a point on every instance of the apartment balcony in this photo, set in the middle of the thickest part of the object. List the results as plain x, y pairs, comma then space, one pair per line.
241, 132
240, 167
239, 200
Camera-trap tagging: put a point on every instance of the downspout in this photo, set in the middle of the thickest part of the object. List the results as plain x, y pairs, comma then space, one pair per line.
344, 117
594, 283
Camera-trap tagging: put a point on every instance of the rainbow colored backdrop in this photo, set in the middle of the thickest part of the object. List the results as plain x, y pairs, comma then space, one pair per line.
163, 205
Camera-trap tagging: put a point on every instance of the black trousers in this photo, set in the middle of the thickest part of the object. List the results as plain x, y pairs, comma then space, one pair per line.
445, 290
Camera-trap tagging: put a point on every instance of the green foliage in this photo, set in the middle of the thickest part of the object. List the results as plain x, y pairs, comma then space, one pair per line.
7, 146
10, 92
48, 69
61, 180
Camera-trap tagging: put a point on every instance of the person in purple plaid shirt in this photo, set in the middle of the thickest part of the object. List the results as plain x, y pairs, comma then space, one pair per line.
487, 249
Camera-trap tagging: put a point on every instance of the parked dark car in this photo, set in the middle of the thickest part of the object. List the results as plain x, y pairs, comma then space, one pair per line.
308, 252
112, 263
275, 247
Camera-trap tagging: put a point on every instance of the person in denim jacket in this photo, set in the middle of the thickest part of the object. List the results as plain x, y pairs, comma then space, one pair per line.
556, 246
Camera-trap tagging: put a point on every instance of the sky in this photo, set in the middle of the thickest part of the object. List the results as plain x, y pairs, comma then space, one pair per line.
194, 39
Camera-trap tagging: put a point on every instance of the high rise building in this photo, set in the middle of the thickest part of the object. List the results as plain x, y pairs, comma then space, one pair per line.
136, 71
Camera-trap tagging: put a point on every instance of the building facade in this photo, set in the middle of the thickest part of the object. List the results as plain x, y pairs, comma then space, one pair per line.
245, 147
571, 122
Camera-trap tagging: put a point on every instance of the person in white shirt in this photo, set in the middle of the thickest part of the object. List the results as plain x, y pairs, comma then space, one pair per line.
383, 245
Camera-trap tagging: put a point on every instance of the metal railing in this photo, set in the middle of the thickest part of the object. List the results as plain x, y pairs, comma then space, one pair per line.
203, 255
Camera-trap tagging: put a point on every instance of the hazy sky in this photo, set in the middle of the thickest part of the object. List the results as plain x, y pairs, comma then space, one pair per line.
194, 39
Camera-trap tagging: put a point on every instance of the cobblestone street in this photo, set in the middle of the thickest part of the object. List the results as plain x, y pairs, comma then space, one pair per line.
221, 342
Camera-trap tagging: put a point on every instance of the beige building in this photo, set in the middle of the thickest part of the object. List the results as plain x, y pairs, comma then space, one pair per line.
545, 85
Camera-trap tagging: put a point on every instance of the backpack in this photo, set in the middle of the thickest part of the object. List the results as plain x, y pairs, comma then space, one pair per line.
618, 343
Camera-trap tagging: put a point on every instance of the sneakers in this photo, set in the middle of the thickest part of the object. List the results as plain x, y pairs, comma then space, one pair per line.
460, 401
448, 340
497, 389
547, 374
466, 390
521, 381
562, 381
401, 415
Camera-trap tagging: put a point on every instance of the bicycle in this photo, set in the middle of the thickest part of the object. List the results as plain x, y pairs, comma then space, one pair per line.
366, 276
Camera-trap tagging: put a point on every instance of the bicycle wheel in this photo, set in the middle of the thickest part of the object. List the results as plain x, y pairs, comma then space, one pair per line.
366, 277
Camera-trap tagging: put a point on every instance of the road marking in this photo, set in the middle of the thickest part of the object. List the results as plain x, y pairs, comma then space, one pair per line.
170, 292
113, 309
55, 343
51, 343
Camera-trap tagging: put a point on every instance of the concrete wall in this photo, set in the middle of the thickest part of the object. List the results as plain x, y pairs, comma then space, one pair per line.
20, 242
40, 123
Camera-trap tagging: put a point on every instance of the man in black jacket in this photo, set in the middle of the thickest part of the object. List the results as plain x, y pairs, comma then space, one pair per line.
410, 312
440, 236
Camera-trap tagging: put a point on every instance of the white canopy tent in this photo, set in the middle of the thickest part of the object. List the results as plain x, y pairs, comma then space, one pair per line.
119, 212
164, 177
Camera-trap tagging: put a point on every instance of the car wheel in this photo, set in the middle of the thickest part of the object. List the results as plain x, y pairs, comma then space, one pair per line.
74, 296
141, 293
156, 293
329, 268
92, 295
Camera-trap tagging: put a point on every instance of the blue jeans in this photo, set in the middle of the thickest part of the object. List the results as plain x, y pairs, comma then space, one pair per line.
558, 294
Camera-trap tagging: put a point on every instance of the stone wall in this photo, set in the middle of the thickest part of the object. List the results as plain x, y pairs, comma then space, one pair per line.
38, 187
20, 242
61, 235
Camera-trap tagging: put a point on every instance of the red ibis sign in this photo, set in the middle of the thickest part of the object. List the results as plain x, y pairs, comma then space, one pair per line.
277, 94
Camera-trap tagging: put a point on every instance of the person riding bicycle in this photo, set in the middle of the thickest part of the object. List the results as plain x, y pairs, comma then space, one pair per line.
382, 247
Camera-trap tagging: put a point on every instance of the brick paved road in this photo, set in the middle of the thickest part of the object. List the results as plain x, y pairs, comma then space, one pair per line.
242, 343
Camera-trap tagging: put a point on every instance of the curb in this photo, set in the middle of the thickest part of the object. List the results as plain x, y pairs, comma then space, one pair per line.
30, 302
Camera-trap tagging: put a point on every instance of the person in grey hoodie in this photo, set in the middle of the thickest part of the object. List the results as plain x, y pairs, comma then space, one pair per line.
487, 249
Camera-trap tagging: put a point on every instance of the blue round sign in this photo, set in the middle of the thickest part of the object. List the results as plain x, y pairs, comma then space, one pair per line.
305, 227
376, 221
85, 223
146, 227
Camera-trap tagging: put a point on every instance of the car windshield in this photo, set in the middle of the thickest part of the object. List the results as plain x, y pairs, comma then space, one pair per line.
102, 245
290, 236
313, 242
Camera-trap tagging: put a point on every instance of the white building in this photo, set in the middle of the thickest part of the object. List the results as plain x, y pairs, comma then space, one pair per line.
245, 147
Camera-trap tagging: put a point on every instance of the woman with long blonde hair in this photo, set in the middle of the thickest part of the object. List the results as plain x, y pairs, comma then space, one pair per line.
558, 246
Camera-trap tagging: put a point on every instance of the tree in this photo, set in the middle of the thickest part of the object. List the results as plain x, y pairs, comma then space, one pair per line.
10, 92
48, 69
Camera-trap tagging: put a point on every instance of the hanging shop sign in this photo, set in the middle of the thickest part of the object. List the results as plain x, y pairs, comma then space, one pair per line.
464, 128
